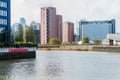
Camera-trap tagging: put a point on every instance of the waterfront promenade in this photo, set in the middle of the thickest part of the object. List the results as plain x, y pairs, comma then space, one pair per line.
102, 48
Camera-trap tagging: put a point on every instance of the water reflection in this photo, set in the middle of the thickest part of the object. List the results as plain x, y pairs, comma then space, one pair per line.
54, 69
26, 67
56, 65
17, 69
5, 70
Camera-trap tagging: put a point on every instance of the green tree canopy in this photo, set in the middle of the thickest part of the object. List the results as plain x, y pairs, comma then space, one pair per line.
54, 41
85, 40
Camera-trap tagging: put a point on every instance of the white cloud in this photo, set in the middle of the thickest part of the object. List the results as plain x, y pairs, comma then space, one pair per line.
72, 10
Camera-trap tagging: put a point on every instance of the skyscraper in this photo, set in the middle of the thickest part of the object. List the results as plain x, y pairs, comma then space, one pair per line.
15, 30
36, 29
59, 27
23, 21
96, 30
77, 34
49, 24
68, 32
5, 20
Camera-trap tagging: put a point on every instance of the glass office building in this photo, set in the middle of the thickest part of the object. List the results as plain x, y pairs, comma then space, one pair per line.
4, 20
96, 30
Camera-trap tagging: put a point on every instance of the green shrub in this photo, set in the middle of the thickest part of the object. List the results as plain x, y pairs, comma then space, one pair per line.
54, 41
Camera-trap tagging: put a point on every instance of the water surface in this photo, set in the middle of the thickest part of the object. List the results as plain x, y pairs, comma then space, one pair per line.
63, 65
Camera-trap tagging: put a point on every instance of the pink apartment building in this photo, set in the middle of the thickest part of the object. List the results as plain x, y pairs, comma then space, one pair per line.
51, 24
59, 26
68, 32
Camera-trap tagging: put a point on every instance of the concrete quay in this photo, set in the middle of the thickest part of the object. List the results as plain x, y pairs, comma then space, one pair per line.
101, 48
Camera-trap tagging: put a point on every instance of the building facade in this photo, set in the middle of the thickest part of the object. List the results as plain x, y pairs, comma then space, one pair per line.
77, 34
59, 27
96, 30
49, 24
5, 21
68, 32
36, 28
23, 23
15, 30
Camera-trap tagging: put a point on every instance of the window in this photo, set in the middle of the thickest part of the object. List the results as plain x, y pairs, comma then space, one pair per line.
3, 4
3, 21
3, 13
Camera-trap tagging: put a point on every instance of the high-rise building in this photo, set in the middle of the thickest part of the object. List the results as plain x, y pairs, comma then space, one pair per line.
22, 21
49, 24
68, 32
77, 34
59, 25
15, 30
96, 30
36, 29
5, 20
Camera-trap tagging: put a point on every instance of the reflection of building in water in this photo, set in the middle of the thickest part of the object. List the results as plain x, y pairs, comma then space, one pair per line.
54, 70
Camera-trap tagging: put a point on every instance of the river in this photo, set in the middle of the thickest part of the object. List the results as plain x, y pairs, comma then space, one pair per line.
63, 65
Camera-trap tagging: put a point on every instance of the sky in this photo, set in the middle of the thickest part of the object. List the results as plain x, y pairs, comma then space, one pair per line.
71, 10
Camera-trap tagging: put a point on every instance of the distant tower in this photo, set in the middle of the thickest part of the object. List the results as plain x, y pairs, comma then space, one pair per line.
22, 21
49, 25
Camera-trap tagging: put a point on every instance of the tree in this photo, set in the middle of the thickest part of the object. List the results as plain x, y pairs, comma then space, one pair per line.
85, 40
54, 41
30, 36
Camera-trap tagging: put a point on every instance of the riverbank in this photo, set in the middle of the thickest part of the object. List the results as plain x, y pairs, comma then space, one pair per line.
101, 48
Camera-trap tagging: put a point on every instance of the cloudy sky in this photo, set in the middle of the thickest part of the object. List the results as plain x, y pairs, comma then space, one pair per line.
72, 10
